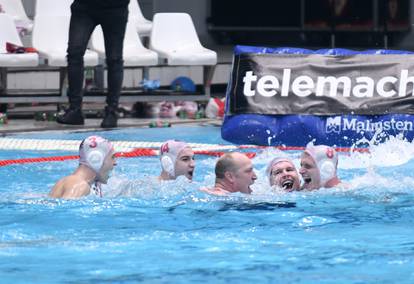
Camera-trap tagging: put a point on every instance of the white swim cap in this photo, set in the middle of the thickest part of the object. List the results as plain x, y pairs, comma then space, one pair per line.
326, 160
274, 162
93, 151
169, 152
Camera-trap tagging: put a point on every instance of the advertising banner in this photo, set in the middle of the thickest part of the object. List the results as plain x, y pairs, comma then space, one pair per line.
322, 85
334, 97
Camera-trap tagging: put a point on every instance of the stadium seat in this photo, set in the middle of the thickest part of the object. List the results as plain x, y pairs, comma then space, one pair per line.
175, 39
135, 54
15, 9
52, 7
8, 33
50, 38
143, 26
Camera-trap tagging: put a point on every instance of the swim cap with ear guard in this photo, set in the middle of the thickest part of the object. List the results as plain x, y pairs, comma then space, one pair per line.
93, 151
169, 152
326, 160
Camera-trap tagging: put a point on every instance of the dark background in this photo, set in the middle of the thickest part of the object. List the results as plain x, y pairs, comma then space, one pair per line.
344, 23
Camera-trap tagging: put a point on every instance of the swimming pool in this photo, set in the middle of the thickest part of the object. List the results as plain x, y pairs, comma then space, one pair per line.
146, 232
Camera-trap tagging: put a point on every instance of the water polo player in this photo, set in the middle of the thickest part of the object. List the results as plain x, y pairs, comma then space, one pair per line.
96, 161
282, 173
319, 167
177, 159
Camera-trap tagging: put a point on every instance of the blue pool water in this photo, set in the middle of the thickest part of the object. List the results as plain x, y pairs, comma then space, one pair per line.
146, 232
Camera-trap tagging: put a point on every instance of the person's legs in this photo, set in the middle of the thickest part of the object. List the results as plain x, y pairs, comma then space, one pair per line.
113, 25
80, 30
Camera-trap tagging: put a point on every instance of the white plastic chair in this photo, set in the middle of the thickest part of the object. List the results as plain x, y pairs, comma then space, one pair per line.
52, 7
175, 39
8, 33
15, 9
134, 54
50, 38
143, 26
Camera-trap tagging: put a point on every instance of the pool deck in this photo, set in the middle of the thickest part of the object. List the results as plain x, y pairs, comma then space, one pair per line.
91, 124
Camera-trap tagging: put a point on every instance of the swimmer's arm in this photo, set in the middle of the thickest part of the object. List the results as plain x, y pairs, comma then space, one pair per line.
57, 190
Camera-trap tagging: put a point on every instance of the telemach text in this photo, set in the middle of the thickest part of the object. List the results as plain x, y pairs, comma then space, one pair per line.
303, 85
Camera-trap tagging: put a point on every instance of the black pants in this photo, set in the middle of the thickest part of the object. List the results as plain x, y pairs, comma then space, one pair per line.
83, 21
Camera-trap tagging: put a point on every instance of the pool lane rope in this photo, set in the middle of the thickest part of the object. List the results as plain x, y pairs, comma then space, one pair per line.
135, 153
73, 145
124, 149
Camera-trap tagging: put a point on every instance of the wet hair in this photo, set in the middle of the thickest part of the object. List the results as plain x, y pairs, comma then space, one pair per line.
224, 164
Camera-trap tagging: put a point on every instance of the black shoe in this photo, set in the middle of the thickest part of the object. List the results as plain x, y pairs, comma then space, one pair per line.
110, 119
73, 116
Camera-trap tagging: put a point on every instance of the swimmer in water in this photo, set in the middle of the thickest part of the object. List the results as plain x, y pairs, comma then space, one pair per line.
283, 174
234, 173
96, 161
177, 159
318, 167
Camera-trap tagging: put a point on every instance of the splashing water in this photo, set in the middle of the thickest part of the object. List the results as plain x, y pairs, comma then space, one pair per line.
393, 152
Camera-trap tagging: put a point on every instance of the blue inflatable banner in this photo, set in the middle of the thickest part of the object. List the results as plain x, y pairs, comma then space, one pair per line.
290, 96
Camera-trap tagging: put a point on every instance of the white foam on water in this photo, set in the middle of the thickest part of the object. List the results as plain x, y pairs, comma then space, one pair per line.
394, 151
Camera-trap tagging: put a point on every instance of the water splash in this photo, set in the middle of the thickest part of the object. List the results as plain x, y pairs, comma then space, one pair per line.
270, 137
394, 151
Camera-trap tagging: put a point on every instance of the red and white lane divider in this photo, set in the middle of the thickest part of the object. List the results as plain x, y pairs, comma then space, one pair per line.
73, 145
135, 153
124, 149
